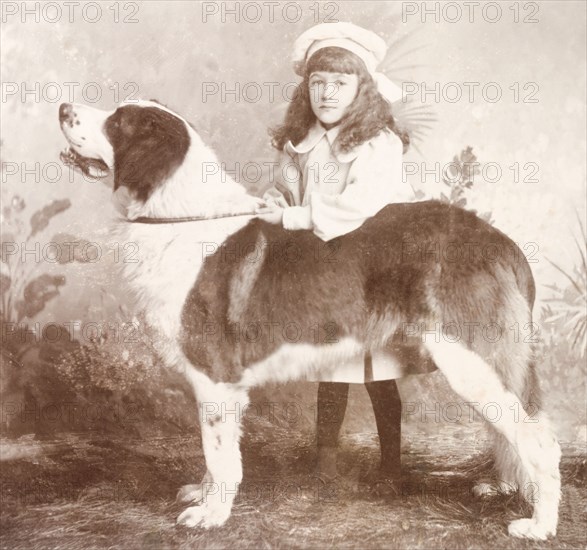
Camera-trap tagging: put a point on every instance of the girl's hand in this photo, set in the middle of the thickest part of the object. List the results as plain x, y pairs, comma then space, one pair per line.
271, 213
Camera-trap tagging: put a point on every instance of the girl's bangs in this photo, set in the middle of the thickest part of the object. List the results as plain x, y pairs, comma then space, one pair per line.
335, 60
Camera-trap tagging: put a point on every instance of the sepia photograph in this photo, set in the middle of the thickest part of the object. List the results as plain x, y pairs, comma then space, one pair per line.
306, 274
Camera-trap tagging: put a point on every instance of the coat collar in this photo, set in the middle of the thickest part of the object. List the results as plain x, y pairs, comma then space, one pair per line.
314, 135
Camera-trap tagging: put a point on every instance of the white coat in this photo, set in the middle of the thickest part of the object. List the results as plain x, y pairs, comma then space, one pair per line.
332, 192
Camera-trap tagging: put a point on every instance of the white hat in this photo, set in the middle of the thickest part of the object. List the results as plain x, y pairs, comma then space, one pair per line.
365, 44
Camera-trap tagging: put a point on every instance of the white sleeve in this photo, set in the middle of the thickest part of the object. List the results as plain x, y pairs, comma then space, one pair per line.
297, 217
374, 180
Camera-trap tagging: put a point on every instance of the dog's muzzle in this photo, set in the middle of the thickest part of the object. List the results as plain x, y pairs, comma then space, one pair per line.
70, 156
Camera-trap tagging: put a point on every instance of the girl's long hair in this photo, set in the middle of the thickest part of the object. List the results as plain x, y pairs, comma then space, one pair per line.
368, 115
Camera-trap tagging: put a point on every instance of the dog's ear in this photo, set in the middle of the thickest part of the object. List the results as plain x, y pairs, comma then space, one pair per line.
156, 148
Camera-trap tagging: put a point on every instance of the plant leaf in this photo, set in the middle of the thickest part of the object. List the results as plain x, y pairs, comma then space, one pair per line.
572, 281
72, 248
37, 293
41, 218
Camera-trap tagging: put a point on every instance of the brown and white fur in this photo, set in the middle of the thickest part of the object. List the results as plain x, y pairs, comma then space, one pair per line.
161, 161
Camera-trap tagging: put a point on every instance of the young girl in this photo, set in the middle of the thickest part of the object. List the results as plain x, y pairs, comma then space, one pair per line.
340, 163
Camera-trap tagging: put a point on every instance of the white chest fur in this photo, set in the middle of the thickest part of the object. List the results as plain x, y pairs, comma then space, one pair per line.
169, 259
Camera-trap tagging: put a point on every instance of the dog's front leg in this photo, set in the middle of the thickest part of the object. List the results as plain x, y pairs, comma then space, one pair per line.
220, 418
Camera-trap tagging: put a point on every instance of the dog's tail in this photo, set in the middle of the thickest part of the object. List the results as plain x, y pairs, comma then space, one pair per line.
524, 277
527, 288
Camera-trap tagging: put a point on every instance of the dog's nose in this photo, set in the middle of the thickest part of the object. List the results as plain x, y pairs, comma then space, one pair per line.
65, 110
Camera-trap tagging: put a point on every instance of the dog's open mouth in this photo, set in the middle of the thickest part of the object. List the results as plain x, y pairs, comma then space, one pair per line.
89, 166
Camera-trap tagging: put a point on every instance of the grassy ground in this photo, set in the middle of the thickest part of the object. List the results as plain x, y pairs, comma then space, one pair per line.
84, 492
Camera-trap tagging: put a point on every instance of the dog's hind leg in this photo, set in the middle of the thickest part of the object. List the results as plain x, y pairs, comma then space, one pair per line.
510, 472
536, 447
220, 406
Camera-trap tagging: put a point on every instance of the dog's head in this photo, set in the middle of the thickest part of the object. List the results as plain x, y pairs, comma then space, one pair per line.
142, 143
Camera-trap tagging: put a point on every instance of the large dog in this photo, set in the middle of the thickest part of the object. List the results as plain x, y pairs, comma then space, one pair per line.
426, 276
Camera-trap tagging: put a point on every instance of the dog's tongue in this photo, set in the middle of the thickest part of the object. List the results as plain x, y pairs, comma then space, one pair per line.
94, 167
68, 156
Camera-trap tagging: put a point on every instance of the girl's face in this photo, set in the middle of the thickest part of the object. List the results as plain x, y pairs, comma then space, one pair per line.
331, 94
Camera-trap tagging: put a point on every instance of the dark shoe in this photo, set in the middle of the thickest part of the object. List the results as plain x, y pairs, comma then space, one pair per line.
391, 471
387, 487
329, 489
383, 482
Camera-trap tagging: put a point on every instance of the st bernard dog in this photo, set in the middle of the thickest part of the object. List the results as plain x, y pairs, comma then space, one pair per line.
209, 266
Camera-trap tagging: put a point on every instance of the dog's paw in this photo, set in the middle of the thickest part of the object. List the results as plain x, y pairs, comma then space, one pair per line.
529, 528
204, 516
190, 493
192, 516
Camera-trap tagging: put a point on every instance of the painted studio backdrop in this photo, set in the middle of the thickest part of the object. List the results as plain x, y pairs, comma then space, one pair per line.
96, 436
502, 86
510, 86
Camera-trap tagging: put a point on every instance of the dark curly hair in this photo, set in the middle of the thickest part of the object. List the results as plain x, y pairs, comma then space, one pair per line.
368, 115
